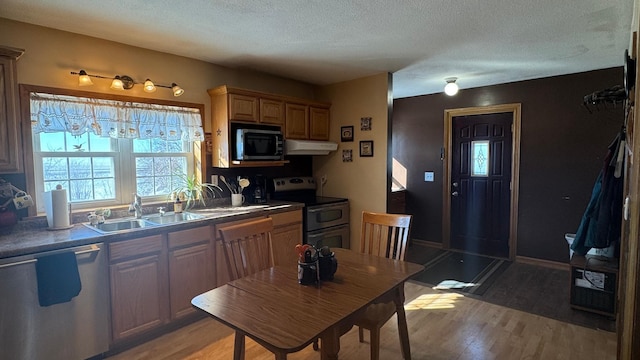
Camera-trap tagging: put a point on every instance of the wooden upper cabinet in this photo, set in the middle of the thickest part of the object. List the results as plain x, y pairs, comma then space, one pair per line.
296, 121
242, 107
298, 118
306, 122
272, 112
318, 123
10, 138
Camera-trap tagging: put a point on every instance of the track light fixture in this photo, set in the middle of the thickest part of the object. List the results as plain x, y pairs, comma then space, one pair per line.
124, 82
451, 88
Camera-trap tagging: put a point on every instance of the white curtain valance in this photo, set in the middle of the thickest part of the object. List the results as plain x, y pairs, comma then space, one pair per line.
115, 119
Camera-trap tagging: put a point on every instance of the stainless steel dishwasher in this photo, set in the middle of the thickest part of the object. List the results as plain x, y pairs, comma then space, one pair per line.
77, 329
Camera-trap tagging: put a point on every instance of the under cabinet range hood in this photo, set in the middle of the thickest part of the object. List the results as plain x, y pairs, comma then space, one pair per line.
308, 147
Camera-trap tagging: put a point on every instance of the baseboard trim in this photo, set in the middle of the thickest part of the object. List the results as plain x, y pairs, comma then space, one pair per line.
426, 243
541, 262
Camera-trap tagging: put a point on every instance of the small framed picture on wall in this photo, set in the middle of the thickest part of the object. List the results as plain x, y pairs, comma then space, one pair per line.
365, 124
366, 148
346, 133
347, 155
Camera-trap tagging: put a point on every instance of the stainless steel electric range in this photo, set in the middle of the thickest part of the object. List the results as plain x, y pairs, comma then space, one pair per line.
326, 219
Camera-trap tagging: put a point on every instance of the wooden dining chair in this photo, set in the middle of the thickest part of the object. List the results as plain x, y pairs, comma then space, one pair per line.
247, 250
383, 235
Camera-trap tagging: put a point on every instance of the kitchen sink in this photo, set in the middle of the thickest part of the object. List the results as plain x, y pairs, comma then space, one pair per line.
119, 225
173, 218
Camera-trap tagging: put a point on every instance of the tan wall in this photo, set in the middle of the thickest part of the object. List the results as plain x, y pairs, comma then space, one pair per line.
363, 181
50, 55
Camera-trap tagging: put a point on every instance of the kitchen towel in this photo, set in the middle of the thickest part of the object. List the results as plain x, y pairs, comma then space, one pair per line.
58, 278
56, 206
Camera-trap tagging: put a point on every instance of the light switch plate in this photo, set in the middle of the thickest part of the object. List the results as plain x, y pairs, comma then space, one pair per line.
428, 176
214, 180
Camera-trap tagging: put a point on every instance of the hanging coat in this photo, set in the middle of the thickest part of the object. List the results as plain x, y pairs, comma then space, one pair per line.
602, 221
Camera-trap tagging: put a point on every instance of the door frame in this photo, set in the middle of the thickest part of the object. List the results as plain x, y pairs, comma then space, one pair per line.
449, 114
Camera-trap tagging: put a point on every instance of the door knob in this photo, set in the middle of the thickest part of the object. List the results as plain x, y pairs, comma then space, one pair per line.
455, 184
455, 193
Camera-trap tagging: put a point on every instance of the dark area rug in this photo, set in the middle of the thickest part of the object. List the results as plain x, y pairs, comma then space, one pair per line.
534, 289
542, 291
467, 273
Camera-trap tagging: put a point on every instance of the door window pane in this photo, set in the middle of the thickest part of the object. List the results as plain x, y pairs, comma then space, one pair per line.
480, 158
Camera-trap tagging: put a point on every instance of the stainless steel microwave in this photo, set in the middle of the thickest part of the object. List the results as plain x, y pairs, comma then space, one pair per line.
258, 144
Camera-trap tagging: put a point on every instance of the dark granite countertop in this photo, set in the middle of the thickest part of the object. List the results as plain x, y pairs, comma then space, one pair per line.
33, 236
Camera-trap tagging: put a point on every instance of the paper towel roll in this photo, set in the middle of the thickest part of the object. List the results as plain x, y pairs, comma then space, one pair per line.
57, 208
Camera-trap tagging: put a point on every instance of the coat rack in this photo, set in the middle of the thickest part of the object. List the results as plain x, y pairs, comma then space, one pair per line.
612, 96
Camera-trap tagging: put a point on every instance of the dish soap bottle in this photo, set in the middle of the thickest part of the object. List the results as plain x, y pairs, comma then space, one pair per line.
177, 206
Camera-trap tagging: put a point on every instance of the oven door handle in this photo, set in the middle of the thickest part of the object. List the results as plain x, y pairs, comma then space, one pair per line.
324, 209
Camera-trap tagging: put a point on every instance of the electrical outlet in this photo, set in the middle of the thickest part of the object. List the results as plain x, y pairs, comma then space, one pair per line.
323, 179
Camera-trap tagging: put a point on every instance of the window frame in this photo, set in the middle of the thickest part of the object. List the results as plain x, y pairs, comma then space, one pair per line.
35, 184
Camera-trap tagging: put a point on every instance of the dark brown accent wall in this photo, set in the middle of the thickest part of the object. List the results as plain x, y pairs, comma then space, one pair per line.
562, 149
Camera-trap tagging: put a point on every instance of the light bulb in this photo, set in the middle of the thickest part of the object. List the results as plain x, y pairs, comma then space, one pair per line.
84, 79
116, 84
451, 88
149, 86
177, 90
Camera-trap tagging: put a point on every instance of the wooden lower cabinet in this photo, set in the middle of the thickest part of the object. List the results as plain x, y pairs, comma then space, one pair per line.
139, 287
397, 202
287, 232
222, 272
154, 278
191, 269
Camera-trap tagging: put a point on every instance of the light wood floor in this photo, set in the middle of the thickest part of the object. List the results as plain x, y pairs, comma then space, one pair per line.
441, 326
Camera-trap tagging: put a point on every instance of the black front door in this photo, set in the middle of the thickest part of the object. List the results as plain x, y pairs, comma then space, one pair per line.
481, 183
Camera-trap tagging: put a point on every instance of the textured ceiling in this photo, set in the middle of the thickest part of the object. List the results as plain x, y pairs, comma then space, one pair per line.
422, 42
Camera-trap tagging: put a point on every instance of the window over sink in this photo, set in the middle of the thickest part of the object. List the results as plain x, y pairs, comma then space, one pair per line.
102, 151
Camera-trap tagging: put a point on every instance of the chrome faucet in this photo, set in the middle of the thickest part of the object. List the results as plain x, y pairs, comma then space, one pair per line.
136, 206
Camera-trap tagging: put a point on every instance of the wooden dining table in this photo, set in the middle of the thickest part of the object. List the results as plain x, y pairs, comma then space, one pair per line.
273, 309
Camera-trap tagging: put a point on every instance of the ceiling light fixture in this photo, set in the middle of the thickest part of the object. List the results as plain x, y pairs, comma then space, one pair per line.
124, 82
451, 88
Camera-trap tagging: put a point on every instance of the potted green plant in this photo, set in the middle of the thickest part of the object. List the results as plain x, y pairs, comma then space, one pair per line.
192, 191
